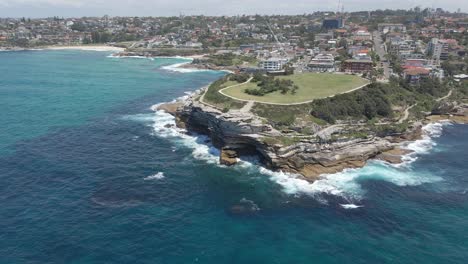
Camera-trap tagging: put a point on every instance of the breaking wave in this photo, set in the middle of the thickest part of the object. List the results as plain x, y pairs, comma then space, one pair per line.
177, 67
351, 206
425, 144
130, 57
165, 126
157, 176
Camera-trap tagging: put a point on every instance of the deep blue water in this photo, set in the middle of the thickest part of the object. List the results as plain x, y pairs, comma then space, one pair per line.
79, 144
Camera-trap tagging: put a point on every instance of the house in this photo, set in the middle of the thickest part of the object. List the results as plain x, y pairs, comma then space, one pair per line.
414, 75
324, 36
412, 63
362, 35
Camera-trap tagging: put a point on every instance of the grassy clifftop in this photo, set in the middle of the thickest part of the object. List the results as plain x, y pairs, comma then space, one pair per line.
310, 86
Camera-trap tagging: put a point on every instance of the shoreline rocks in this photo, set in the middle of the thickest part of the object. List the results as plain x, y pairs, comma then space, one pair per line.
394, 156
228, 157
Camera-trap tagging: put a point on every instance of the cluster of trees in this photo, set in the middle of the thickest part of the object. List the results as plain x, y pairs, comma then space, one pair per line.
370, 102
376, 99
228, 59
240, 78
268, 84
427, 86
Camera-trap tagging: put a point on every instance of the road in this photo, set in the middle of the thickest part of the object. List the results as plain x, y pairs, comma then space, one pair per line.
380, 50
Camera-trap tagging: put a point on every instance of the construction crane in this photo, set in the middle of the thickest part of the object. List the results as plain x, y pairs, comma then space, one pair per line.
280, 45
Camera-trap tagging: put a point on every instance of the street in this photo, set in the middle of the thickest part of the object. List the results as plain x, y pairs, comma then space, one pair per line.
380, 50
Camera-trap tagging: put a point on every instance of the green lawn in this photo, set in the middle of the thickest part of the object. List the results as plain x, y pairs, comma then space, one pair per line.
311, 86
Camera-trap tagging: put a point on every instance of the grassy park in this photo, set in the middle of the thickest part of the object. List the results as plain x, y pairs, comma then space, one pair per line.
310, 86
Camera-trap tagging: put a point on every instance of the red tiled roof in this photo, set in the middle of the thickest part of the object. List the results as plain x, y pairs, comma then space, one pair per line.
416, 71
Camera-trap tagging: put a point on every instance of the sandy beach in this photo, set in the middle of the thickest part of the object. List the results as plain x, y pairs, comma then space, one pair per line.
86, 47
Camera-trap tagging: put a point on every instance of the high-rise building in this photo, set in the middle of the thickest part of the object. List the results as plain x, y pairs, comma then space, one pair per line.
438, 50
333, 23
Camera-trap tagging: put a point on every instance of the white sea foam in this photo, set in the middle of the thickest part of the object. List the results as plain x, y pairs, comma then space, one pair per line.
347, 184
129, 57
351, 206
164, 126
177, 67
157, 176
423, 145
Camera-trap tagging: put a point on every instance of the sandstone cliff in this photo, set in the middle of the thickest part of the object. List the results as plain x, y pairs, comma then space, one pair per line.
239, 132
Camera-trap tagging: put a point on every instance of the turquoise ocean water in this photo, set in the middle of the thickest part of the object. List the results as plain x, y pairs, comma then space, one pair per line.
90, 174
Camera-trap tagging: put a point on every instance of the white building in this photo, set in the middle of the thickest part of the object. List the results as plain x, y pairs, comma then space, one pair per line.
322, 63
362, 35
438, 50
272, 64
388, 27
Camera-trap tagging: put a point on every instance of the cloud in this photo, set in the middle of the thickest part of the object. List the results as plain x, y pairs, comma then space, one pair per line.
37, 8
69, 3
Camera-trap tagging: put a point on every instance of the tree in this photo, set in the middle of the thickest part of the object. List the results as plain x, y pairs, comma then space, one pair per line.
343, 43
288, 69
449, 68
78, 27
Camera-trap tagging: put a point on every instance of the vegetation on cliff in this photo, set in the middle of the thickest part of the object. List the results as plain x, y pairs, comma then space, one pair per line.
212, 96
377, 100
228, 59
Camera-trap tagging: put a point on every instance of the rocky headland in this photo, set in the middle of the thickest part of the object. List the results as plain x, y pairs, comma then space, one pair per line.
240, 132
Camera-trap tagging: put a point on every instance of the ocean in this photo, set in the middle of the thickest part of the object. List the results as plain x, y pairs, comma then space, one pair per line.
90, 173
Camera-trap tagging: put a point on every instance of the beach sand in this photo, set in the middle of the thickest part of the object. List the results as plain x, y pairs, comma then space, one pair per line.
86, 47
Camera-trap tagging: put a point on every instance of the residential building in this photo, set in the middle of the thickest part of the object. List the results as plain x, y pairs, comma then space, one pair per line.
322, 63
357, 66
389, 27
414, 75
272, 64
438, 50
361, 35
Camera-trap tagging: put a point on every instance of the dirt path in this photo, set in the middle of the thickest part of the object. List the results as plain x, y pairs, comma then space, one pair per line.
247, 107
445, 97
406, 114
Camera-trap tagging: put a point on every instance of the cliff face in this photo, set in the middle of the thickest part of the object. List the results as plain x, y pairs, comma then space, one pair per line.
240, 132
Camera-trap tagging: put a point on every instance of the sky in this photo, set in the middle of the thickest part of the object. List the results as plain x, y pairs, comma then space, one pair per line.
79, 8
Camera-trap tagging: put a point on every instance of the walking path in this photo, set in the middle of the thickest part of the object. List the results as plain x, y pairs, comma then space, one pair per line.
445, 97
406, 114
235, 85
247, 107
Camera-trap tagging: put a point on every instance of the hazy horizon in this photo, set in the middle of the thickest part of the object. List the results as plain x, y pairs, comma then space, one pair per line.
81, 8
